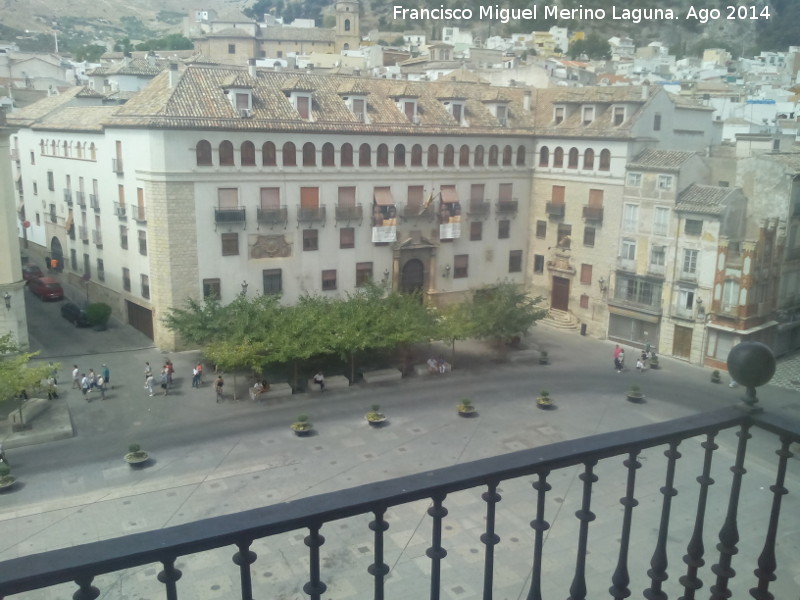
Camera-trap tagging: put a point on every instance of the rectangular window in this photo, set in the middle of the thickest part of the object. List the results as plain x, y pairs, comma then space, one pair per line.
657, 122
564, 236
310, 240
35, 189
51, 182
588, 115
693, 227
73, 259
541, 229
228, 198
270, 198
140, 204
460, 266
558, 114
538, 263
329, 280
630, 217
212, 289
619, 115
101, 270
142, 242
515, 261
584, 301
347, 196
658, 256
33, 158
126, 279
145, 286
586, 274
506, 192
230, 244
558, 194
628, 251
634, 180
363, 273
665, 182
588, 236
231, 48
475, 231
661, 220
347, 237
503, 229
596, 198
273, 281
87, 265
304, 107
690, 261
123, 237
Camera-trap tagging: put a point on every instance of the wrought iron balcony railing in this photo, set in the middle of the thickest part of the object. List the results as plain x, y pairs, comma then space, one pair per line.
627, 551
224, 216
272, 216
80, 199
97, 237
479, 210
349, 213
555, 210
94, 202
507, 207
116, 166
138, 213
68, 196
310, 215
121, 210
593, 213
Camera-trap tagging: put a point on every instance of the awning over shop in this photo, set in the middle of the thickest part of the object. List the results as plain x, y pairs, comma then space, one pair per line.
449, 195
383, 196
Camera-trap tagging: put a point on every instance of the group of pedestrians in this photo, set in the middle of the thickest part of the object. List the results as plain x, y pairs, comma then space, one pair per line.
164, 378
88, 382
642, 362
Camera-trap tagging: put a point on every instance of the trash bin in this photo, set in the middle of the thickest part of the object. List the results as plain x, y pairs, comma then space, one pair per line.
583, 328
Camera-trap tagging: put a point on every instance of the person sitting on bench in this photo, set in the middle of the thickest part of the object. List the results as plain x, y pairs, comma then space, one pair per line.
261, 387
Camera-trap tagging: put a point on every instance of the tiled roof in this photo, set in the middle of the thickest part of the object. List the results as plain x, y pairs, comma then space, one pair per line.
230, 32
689, 102
198, 101
43, 107
703, 199
665, 160
134, 66
77, 118
300, 34
791, 160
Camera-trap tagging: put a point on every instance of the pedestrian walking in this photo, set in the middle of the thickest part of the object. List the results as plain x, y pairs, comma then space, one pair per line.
76, 378
148, 371
150, 383
195, 377
199, 368
53, 372
107, 376
319, 379
101, 385
92, 378
218, 385
170, 370
617, 360
52, 388
164, 380
85, 387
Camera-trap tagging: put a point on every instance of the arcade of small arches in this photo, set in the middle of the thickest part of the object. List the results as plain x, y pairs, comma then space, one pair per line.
573, 159
67, 149
362, 155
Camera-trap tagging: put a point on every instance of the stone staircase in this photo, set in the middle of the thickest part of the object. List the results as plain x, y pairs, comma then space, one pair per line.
560, 319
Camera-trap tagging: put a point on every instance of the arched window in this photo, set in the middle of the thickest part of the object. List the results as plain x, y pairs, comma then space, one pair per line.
588, 159
544, 156
289, 155
449, 155
248, 151
53, 148
268, 155
605, 160
573, 159
203, 152
493, 155
558, 157
347, 24
416, 155
521, 156
93, 151
309, 155
42, 147
507, 154
66, 148
328, 155
226, 154
433, 155
364, 155
346, 155
478, 156
382, 155
463, 156
400, 155
79, 149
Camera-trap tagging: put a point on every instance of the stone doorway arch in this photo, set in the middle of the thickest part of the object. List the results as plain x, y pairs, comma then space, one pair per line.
412, 277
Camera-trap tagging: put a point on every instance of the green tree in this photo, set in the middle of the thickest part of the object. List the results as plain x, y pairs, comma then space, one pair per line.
16, 374
453, 323
593, 46
123, 45
174, 41
502, 311
90, 53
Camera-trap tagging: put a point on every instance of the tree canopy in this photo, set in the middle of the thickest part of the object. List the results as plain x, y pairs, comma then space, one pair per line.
16, 374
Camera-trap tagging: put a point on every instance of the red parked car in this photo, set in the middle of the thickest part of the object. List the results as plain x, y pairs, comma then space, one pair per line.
46, 288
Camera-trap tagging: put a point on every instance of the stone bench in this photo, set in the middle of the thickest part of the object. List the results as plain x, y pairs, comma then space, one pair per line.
381, 375
336, 382
31, 409
276, 390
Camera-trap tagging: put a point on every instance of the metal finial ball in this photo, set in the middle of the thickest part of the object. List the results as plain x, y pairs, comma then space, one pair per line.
751, 364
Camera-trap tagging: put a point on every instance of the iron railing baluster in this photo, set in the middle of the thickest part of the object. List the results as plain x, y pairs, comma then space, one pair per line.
695, 549
378, 569
86, 591
244, 558
314, 588
766, 561
620, 579
539, 525
436, 553
658, 563
169, 576
490, 538
577, 590
729, 534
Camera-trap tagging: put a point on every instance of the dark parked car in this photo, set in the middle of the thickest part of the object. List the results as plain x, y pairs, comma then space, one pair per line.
75, 314
31, 272
46, 288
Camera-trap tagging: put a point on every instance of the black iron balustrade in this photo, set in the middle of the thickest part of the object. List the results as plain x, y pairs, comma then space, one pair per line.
226, 216
82, 564
272, 216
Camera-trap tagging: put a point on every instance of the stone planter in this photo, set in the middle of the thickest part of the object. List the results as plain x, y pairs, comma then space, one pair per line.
467, 411
6, 483
636, 397
544, 403
136, 459
376, 420
303, 430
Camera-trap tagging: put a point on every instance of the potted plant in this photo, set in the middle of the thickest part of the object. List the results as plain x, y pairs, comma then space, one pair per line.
543, 358
136, 456
634, 393
98, 314
301, 427
465, 408
715, 377
374, 417
544, 401
653, 361
6, 479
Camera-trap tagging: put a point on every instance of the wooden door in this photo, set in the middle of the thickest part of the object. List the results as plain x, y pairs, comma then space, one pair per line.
412, 278
559, 298
682, 342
